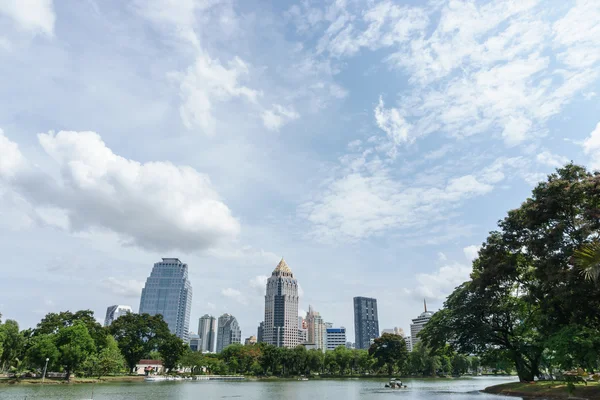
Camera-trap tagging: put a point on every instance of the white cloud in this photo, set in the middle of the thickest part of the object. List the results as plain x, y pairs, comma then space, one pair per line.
278, 116
577, 35
442, 256
471, 252
392, 123
439, 284
366, 200
591, 147
11, 160
31, 15
123, 287
235, 295
551, 160
155, 205
207, 82
259, 284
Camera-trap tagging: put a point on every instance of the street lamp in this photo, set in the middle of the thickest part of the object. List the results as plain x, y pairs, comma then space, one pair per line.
45, 366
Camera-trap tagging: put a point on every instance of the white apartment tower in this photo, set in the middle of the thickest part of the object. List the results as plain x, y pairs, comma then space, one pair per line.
281, 308
418, 324
317, 330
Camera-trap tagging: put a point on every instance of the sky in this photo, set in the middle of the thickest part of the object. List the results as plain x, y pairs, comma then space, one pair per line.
374, 144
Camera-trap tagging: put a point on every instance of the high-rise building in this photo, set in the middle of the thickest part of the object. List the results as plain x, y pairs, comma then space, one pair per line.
168, 292
114, 312
260, 333
395, 331
250, 341
349, 345
228, 332
418, 324
281, 308
408, 341
366, 322
207, 330
317, 334
195, 342
335, 337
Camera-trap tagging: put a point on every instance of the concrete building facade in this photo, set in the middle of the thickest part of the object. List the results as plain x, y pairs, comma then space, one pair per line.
114, 312
281, 308
207, 330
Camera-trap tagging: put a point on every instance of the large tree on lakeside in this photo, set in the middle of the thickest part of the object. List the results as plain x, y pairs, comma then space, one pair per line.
138, 335
390, 352
74, 345
53, 322
524, 287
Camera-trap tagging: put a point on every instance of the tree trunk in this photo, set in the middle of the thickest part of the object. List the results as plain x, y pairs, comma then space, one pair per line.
526, 371
67, 374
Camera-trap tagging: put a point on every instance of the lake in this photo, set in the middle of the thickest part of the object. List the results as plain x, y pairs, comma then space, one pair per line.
347, 389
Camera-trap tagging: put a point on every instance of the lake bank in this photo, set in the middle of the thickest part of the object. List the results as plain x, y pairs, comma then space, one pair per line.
547, 390
60, 381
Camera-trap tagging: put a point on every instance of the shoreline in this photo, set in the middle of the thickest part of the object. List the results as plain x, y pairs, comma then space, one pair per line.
553, 390
74, 381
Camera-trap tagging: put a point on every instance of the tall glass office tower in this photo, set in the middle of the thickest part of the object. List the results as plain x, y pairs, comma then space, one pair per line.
366, 322
169, 292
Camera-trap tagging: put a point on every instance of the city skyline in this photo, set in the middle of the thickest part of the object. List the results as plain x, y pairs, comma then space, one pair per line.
374, 144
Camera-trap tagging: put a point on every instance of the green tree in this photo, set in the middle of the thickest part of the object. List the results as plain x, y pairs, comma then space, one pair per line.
390, 351
194, 360
75, 345
171, 349
53, 322
460, 364
575, 346
42, 347
13, 344
110, 359
524, 288
138, 335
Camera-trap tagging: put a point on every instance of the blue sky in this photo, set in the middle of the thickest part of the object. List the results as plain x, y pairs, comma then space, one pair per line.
374, 144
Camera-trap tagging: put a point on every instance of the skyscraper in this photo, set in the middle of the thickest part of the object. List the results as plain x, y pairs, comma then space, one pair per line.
418, 324
260, 333
207, 330
317, 330
228, 332
114, 312
366, 322
281, 308
168, 292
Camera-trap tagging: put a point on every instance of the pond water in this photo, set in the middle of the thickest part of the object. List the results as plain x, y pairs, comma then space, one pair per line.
348, 389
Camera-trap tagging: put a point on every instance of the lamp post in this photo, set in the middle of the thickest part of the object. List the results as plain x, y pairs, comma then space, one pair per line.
45, 366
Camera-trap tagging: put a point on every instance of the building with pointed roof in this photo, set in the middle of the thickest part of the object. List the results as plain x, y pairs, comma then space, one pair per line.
281, 308
418, 324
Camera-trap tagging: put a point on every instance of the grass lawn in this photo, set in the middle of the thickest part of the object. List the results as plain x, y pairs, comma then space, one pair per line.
555, 390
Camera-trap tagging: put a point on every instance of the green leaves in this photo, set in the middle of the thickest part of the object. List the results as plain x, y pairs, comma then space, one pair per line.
390, 351
587, 258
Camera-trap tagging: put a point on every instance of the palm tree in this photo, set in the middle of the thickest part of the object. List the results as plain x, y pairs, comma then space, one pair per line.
587, 258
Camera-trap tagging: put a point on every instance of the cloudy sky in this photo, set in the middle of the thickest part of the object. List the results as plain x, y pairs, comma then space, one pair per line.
372, 143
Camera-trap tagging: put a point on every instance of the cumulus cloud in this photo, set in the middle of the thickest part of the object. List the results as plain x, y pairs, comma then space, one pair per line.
259, 284
591, 147
154, 205
123, 287
471, 252
235, 295
439, 284
12, 160
207, 82
30, 15
278, 116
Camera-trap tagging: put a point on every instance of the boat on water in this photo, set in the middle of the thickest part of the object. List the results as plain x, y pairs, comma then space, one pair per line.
395, 384
303, 378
